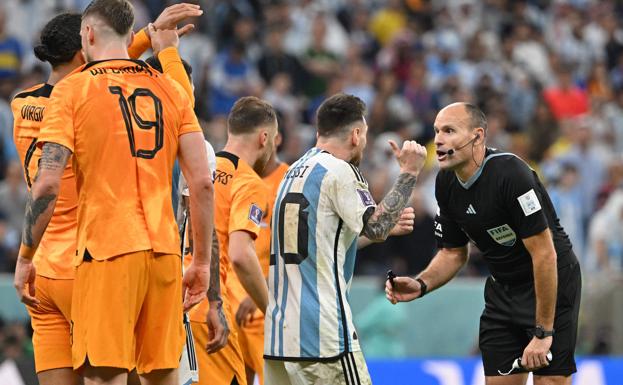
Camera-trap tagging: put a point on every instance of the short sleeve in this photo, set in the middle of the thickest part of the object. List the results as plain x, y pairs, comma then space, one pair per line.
183, 185
188, 119
58, 121
249, 205
523, 197
351, 197
448, 233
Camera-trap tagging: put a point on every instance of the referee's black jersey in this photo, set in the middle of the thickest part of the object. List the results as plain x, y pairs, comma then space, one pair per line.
498, 206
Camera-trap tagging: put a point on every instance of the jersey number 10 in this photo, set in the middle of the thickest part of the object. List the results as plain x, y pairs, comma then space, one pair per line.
128, 106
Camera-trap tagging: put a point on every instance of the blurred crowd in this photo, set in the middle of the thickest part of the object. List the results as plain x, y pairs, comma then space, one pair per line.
548, 74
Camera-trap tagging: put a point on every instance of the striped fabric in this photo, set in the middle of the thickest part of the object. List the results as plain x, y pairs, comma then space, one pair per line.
317, 217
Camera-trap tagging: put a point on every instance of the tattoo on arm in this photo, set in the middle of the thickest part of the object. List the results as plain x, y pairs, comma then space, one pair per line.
388, 211
34, 209
214, 290
53, 157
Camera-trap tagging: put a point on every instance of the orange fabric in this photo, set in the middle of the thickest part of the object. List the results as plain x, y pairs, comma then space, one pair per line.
172, 65
127, 312
252, 347
237, 192
51, 323
58, 245
218, 368
124, 191
140, 44
252, 336
262, 243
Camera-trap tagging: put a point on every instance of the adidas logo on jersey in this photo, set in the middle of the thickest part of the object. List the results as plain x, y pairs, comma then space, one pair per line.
470, 210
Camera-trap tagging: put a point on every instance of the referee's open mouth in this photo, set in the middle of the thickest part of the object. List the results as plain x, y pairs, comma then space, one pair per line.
441, 155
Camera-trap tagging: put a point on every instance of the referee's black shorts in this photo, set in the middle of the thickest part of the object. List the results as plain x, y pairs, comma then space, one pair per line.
507, 322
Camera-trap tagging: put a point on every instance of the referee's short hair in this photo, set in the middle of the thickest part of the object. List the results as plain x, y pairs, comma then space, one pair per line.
336, 114
477, 118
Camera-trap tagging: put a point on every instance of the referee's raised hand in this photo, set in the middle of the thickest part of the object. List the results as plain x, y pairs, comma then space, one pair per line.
411, 157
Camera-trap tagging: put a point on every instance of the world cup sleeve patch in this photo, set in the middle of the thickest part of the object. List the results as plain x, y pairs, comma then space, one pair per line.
366, 197
529, 203
255, 214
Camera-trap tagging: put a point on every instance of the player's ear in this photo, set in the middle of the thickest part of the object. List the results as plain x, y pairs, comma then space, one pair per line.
354, 136
263, 138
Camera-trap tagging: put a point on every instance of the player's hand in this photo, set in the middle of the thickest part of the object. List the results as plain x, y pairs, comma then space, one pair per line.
25, 275
535, 354
162, 38
195, 284
405, 223
218, 329
174, 14
411, 157
404, 289
245, 312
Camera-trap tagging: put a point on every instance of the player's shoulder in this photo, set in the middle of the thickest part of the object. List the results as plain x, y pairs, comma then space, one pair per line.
339, 168
41, 90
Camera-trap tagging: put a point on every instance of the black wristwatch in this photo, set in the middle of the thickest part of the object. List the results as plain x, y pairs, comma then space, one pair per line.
423, 287
540, 332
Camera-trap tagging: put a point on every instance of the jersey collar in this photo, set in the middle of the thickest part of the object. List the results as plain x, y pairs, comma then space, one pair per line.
490, 155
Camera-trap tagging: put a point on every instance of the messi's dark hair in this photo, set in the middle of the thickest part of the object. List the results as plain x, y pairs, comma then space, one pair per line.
336, 114
60, 39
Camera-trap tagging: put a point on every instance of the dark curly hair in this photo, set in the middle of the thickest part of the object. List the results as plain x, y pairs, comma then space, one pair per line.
60, 39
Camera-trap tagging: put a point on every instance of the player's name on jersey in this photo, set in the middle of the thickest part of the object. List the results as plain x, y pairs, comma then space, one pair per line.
34, 113
134, 69
297, 172
222, 177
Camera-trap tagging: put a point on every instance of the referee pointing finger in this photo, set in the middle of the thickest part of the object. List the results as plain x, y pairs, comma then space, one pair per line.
497, 201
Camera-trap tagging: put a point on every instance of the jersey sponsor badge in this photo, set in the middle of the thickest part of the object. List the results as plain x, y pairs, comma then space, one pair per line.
255, 214
529, 203
366, 197
503, 235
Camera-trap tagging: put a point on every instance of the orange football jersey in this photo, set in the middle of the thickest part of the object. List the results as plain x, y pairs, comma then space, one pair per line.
122, 121
262, 249
58, 244
240, 203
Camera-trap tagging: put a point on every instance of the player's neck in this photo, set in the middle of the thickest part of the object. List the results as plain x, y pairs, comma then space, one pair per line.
112, 50
470, 168
338, 150
241, 150
59, 72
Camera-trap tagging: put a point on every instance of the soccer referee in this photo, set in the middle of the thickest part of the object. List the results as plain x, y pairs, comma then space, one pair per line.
532, 296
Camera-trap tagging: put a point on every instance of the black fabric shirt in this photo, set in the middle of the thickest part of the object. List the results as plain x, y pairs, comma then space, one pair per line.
496, 208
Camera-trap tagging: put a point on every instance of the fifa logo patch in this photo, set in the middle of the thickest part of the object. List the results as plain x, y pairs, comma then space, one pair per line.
366, 197
503, 235
255, 214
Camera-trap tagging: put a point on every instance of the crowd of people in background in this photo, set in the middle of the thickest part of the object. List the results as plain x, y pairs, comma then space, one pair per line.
547, 73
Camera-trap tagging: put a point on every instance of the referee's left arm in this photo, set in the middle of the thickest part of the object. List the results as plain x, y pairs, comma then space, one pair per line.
541, 249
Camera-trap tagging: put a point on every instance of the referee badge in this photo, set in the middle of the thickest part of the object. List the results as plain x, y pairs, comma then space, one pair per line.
504, 235
255, 214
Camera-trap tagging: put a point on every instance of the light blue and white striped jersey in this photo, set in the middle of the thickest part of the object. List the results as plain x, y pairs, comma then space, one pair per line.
317, 218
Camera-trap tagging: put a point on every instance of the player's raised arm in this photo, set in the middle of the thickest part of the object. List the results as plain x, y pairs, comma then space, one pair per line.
168, 19
164, 43
387, 214
194, 163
